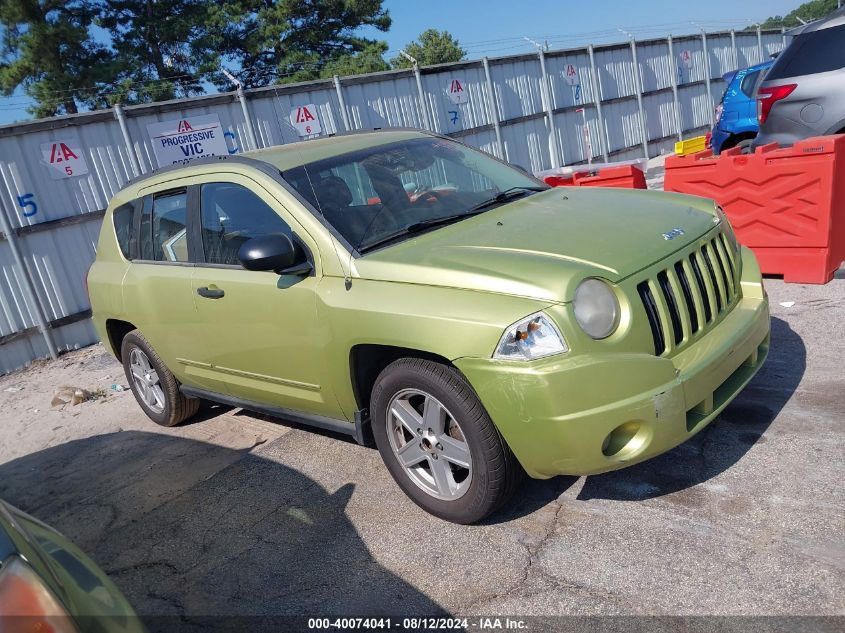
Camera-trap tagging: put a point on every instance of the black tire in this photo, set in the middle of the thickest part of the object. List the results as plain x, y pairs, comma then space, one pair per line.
176, 407
496, 472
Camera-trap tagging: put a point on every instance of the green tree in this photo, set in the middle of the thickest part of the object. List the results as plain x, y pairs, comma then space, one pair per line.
431, 47
279, 41
46, 49
808, 12
369, 60
161, 47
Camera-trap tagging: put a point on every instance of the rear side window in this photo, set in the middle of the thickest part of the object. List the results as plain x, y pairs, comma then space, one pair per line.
124, 224
748, 83
169, 226
231, 215
162, 228
815, 52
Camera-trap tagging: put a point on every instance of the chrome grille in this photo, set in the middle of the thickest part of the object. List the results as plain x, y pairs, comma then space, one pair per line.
684, 299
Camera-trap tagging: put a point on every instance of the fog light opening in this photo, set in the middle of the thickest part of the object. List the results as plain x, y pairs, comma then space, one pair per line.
624, 440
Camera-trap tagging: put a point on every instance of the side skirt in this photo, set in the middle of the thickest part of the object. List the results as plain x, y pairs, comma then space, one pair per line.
356, 430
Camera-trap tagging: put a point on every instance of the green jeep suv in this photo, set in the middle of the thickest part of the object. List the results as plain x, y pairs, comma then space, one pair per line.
476, 322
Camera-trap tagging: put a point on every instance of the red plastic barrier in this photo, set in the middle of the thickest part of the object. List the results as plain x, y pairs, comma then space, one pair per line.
560, 181
787, 205
627, 176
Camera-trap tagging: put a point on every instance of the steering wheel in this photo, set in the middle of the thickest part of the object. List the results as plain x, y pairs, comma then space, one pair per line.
428, 196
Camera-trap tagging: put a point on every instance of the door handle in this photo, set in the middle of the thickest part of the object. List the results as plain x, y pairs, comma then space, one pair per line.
210, 293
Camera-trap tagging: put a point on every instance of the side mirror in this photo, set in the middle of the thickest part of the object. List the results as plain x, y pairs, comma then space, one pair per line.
276, 252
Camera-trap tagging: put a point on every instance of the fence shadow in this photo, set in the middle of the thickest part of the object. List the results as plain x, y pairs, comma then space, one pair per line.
190, 529
724, 442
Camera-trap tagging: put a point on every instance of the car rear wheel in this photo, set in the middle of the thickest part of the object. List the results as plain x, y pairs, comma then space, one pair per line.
155, 387
438, 442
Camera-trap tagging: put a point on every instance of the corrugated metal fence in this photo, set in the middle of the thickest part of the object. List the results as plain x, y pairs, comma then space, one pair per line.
638, 98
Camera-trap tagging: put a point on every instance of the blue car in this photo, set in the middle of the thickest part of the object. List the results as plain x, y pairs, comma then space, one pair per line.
736, 114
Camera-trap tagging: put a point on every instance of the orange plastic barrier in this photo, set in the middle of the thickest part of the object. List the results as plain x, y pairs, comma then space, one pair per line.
627, 176
787, 205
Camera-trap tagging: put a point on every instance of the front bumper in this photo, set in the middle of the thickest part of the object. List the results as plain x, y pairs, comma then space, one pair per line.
597, 413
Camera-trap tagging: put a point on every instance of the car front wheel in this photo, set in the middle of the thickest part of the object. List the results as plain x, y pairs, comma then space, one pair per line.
438, 442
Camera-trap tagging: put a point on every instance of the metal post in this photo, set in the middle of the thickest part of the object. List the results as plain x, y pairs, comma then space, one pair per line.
639, 84
547, 105
239, 88
585, 130
710, 105
733, 48
493, 108
423, 105
31, 297
343, 113
673, 71
130, 149
760, 43
783, 36
594, 87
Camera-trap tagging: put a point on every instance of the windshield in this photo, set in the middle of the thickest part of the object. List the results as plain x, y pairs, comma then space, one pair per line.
393, 190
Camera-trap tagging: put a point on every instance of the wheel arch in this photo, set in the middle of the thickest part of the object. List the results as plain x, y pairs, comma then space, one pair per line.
737, 137
117, 330
367, 361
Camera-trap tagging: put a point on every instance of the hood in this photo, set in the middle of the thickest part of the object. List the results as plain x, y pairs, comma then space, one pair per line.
542, 245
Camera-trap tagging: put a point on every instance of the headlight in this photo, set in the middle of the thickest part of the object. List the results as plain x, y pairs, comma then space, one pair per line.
533, 337
596, 308
727, 229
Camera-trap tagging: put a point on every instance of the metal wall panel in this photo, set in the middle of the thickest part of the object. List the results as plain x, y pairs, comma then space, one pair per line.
517, 86
622, 120
656, 69
527, 144
58, 255
384, 103
616, 71
720, 54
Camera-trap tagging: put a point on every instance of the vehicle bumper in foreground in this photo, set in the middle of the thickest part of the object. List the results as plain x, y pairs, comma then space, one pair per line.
588, 415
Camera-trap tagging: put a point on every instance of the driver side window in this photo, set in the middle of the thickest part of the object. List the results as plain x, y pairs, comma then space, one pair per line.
232, 214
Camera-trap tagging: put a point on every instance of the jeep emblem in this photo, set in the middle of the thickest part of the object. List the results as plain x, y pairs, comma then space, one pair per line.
671, 235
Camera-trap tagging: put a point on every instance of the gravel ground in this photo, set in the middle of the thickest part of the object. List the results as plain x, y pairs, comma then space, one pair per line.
237, 514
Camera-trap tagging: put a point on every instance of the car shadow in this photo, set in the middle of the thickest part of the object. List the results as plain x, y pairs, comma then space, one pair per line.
724, 442
191, 530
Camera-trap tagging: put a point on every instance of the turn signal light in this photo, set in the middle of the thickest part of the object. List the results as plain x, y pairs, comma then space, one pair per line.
26, 605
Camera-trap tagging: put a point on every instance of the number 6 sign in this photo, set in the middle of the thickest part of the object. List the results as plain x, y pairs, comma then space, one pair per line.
304, 119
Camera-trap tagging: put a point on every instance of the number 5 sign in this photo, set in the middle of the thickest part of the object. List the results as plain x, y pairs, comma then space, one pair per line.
304, 119
64, 158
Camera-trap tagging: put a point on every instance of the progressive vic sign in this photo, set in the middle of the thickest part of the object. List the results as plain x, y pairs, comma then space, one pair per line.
183, 140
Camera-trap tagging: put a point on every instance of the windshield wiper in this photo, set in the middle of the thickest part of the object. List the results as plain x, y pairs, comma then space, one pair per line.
416, 227
504, 196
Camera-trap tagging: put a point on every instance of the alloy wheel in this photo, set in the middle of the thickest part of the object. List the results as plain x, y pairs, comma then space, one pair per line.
429, 444
145, 377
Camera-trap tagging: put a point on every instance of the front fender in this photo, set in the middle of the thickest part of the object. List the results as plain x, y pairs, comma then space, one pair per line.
447, 322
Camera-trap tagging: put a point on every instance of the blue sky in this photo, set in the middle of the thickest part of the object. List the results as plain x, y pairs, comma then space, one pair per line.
496, 27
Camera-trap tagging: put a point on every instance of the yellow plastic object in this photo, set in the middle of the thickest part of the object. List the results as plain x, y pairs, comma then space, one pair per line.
690, 145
